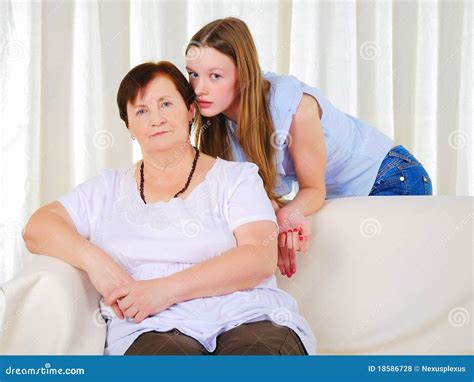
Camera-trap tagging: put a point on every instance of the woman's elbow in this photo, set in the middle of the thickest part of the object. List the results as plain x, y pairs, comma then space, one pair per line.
30, 232
27, 235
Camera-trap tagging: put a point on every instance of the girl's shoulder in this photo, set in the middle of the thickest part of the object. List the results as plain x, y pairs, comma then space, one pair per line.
285, 92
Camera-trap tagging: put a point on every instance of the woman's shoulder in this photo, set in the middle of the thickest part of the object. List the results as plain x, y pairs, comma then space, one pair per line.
108, 176
232, 172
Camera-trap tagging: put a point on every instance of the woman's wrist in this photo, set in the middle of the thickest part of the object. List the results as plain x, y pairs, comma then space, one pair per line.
91, 256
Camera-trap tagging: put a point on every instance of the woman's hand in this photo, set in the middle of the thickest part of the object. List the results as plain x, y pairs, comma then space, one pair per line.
107, 275
294, 236
143, 298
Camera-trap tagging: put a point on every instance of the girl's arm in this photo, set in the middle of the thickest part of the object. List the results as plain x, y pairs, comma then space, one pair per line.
308, 151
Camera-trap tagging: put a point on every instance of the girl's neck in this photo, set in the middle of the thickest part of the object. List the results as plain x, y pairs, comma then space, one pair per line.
232, 112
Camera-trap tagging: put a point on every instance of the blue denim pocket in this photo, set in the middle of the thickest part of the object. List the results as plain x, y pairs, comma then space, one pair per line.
401, 174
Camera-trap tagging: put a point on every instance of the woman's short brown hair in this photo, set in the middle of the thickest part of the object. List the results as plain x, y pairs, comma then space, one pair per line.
140, 76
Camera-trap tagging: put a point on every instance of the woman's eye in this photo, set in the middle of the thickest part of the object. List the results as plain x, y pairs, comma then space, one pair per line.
165, 104
141, 111
192, 75
215, 76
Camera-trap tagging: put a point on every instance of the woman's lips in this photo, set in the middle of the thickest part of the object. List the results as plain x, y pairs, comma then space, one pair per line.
204, 104
160, 133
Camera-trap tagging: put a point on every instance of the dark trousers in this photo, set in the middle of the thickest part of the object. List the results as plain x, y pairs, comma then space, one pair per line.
254, 338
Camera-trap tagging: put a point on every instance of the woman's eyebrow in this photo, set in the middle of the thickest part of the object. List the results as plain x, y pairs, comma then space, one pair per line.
159, 99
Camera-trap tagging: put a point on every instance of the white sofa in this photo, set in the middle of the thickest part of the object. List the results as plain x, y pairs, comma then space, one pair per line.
383, 275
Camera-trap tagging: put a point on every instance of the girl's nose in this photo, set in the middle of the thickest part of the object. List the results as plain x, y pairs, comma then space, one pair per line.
201, 88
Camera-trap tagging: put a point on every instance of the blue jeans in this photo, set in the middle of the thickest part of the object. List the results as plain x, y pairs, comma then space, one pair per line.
401, 174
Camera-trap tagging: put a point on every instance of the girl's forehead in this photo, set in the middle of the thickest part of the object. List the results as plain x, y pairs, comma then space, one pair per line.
207, 57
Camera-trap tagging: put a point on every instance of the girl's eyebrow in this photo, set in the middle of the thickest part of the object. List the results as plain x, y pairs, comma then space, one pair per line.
212, 69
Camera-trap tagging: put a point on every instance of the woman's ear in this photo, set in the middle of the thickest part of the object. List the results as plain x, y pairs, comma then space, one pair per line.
191, 113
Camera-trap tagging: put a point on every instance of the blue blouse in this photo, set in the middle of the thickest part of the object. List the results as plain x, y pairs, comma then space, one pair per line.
354, 149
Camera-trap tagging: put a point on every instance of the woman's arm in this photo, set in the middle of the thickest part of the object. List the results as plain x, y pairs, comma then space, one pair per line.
243, 267
51, 231
308, 151
240, 268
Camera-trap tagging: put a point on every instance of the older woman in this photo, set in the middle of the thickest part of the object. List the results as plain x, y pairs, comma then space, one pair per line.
181, 245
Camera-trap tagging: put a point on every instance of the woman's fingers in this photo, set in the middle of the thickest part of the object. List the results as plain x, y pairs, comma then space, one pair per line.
117, 310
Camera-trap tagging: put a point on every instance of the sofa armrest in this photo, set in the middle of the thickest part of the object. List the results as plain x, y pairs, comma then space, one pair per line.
51, 307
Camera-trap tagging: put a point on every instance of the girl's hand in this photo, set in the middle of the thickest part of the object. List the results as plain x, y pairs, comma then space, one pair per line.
294, 236
143, 298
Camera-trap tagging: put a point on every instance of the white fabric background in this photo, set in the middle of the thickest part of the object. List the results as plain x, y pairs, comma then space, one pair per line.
405, 67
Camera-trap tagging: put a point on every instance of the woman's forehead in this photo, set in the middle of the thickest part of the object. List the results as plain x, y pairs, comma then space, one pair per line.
158, 88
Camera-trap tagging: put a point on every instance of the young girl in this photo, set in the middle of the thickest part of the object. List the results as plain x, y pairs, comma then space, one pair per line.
291, 132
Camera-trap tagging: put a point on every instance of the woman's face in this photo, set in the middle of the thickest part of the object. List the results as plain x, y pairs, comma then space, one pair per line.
214, 78
159, 118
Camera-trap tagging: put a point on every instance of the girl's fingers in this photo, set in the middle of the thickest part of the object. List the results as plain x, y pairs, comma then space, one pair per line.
286, 260
292, 261
280, 262
282, 239
296, 240
289, 240
281, 245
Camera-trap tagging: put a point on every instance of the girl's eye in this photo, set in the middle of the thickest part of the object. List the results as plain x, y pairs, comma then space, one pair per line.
192, 74
141, 111
166, 104
215, 76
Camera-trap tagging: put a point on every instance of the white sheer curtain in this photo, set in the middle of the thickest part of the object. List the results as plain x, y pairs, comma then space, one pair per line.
405, 67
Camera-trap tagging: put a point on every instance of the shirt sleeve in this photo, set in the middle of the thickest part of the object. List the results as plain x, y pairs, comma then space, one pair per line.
84, 203
248, 201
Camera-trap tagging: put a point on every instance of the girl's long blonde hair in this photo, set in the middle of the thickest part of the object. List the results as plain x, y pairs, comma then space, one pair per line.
232, 37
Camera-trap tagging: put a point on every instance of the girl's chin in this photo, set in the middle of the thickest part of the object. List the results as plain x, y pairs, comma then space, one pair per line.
209, 112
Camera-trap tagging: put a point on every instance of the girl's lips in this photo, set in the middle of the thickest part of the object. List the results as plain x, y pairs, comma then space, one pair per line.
204, 104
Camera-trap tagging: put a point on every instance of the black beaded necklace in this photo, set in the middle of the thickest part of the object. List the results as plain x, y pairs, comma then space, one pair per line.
142, 178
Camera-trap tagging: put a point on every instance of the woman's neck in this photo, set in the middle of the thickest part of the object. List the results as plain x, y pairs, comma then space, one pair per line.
171, 164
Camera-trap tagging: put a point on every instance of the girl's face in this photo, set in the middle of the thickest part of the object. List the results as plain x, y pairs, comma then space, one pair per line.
159, 118
214, 78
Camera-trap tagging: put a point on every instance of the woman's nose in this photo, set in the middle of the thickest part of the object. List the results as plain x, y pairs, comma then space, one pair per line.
157, 117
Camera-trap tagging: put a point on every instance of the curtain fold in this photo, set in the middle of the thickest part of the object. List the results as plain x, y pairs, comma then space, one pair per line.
405, 67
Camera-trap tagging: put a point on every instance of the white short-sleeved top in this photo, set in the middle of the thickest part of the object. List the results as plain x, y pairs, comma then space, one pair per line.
158, 239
